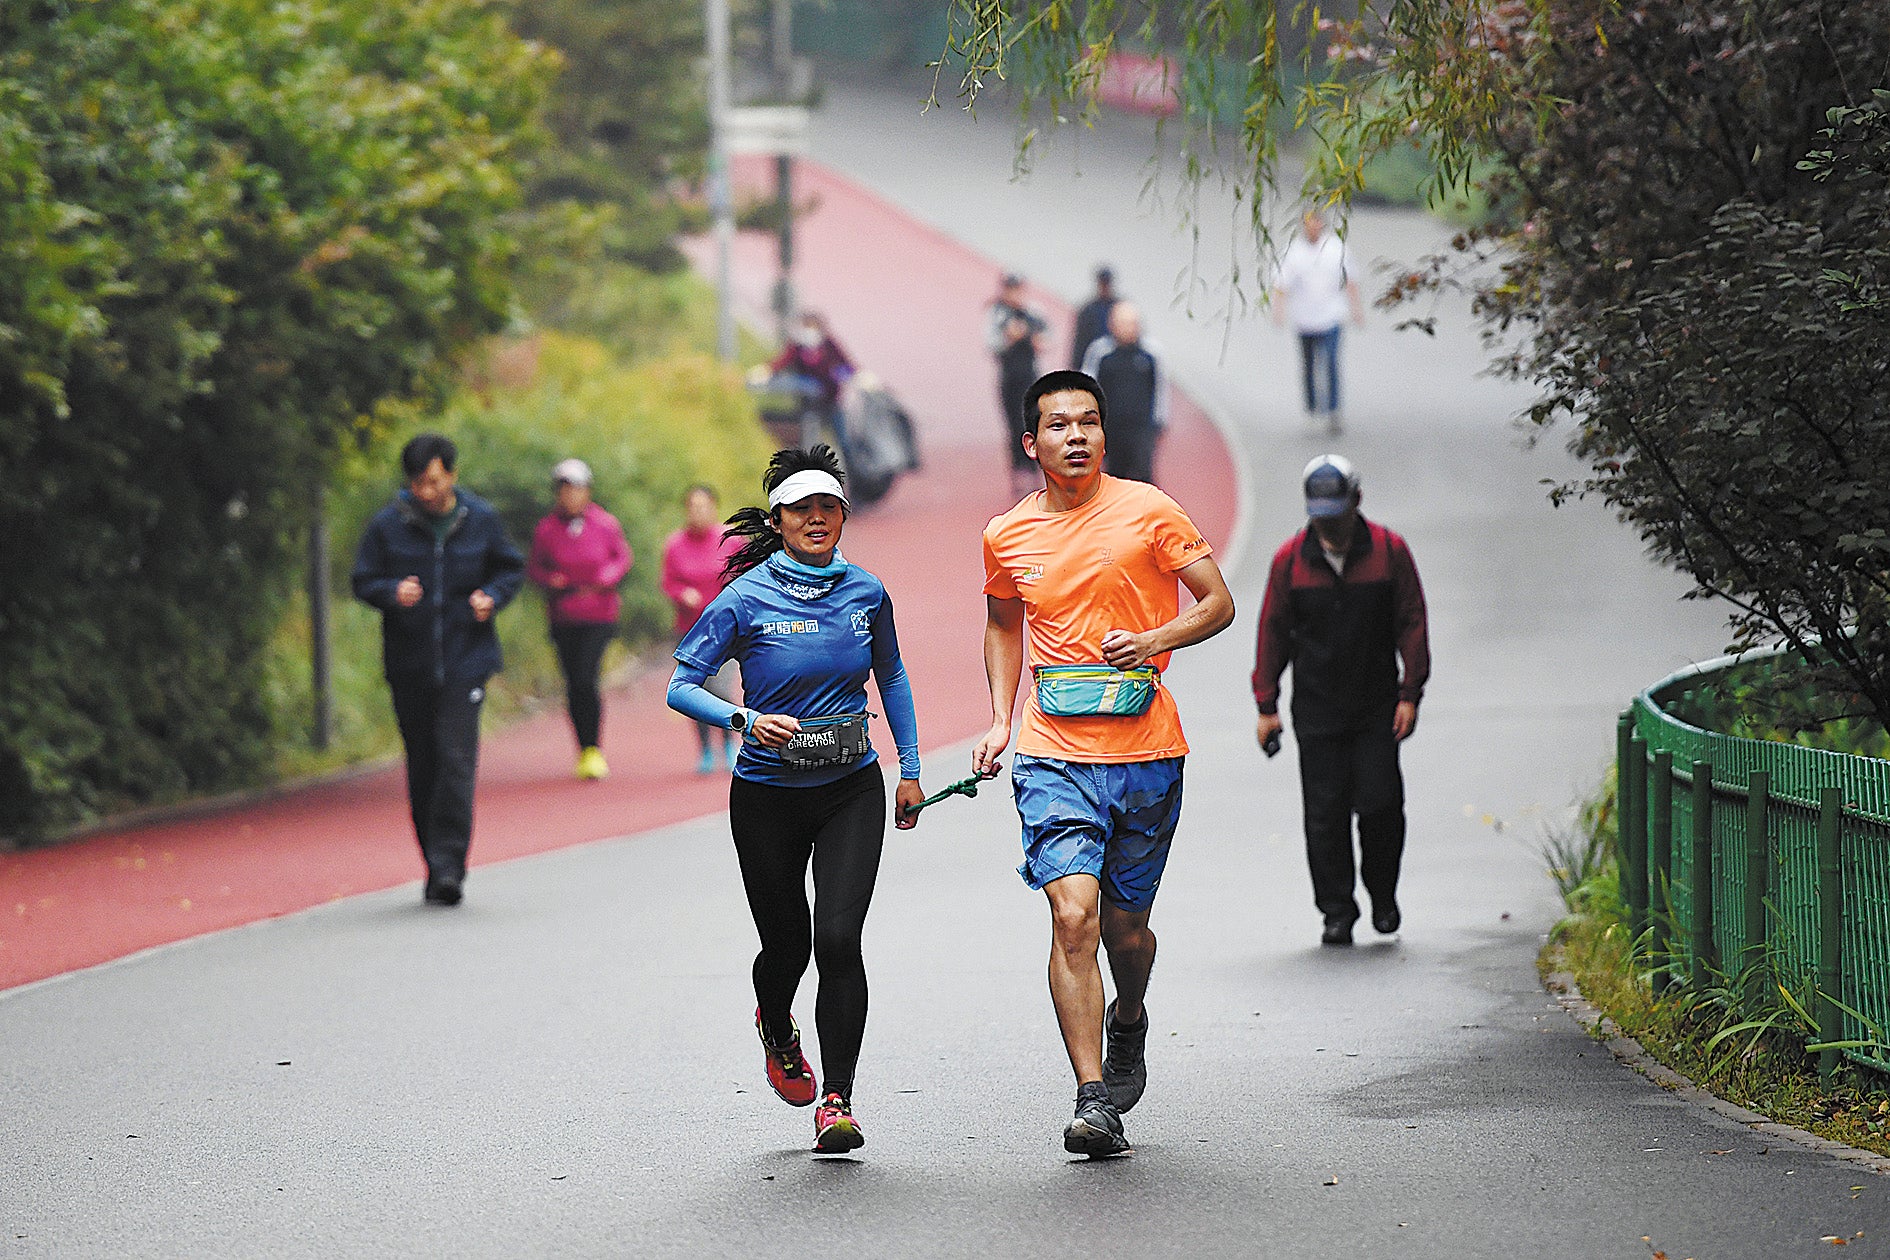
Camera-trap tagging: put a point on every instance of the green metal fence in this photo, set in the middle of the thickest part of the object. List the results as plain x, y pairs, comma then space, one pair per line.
1731, 845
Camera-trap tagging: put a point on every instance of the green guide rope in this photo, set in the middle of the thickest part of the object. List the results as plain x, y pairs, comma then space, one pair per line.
964, 787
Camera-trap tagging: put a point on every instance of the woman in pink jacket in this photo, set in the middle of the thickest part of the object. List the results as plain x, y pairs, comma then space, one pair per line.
579, 555
692, 576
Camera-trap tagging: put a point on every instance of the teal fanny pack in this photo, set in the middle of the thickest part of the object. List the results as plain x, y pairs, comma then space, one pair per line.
1096, 690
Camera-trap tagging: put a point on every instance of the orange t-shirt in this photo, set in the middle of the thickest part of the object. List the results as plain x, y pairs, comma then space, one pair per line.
1108, 565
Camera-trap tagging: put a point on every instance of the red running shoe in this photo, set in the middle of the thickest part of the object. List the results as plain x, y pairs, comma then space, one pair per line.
788, 1073
835, 1130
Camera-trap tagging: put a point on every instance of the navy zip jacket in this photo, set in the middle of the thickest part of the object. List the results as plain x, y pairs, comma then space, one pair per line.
438, 640
1343, 635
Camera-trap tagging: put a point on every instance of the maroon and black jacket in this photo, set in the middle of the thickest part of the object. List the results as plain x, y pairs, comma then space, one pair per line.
1343, 636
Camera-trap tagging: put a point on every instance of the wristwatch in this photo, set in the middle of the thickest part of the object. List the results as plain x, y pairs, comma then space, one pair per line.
738, 721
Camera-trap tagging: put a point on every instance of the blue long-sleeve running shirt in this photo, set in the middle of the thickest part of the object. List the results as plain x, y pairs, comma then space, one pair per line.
806, 640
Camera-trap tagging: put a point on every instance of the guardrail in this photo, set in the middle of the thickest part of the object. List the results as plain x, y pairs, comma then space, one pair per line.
1733, 846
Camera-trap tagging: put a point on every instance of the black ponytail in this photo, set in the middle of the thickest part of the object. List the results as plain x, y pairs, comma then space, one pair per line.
757, 525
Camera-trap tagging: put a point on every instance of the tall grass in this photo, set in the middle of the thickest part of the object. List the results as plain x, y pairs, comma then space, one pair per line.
1745, 1030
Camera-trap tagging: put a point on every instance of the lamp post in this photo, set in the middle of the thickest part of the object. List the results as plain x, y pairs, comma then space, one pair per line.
321, 671
721, 202
784, 91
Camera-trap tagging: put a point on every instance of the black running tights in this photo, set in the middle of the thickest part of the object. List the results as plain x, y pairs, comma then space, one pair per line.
840, 827
580, 656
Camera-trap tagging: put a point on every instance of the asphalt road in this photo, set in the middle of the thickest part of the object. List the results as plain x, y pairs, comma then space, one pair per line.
565, 1066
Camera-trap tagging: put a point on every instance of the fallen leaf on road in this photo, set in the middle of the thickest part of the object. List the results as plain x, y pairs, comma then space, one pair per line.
1332, 1181
1835, 1241
1719, 1152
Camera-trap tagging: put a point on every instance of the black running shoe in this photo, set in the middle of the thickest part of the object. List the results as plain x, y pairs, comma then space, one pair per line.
1096, 1129
1125, 1065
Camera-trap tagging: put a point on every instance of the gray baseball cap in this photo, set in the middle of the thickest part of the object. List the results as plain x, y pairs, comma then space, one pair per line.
1331, 485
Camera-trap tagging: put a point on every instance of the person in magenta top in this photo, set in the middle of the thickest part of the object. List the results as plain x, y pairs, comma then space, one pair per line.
579, 555
692, 576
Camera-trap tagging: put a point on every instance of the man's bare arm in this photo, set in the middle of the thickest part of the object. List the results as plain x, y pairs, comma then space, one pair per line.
1212, 613
1003, 662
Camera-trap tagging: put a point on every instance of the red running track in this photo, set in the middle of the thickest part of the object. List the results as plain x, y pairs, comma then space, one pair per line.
906, 300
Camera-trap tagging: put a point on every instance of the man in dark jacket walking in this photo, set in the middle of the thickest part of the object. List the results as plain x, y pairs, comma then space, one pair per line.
1344, 608
1014, 334
1092, 320
1129, 369
438, 565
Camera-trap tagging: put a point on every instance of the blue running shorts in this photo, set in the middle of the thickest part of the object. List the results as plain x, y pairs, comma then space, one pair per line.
1112, 821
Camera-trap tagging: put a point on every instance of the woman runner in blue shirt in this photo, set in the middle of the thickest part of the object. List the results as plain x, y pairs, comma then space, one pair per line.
807, 628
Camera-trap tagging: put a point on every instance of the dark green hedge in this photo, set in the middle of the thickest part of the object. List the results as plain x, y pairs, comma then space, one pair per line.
230, 228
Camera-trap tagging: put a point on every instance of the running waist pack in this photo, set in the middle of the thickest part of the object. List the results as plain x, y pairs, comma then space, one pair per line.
828, 741
1095, 690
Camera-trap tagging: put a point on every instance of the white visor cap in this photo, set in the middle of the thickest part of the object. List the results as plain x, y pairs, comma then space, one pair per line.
805, 485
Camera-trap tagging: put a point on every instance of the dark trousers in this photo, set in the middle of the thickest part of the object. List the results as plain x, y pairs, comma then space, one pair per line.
580, 657
1319, 357
1129, 450
840, 826
1341, 776
439, 727
1011, 391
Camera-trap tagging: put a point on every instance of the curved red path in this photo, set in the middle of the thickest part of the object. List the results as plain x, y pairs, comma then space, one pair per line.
905, 299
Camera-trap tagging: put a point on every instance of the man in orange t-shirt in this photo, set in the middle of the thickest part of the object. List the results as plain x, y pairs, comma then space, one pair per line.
1085, 573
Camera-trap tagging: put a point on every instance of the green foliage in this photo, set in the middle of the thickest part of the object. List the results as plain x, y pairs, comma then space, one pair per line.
628, 114
1581, 857
1359, 82
1235, 81
1781, 698
232, 228
637, 315
1729, 396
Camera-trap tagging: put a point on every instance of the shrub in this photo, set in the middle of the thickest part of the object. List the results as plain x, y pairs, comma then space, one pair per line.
649, 431
231, 227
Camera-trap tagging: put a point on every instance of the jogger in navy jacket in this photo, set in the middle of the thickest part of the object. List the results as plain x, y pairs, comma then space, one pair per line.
438, 565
